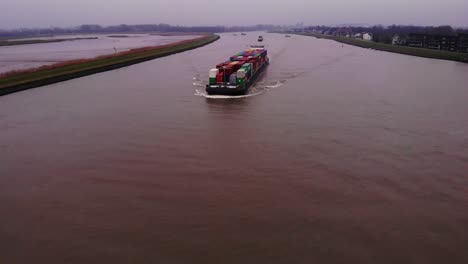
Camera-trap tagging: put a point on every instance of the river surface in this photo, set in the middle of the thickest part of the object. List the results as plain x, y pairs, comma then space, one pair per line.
34, 55
338, 155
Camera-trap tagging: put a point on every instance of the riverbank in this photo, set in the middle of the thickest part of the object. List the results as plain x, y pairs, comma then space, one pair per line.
15, 81
37, 41
419, 52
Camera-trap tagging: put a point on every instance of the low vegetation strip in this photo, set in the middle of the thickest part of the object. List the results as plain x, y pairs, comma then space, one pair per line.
420, 52
15, 81
37, 41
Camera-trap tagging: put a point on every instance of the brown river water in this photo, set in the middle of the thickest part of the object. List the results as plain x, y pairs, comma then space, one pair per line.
338, 155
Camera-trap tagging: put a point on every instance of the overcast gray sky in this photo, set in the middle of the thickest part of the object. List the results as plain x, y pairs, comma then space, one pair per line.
46, 13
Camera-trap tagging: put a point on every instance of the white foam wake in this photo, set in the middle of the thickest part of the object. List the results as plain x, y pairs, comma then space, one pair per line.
204, 94
197, 84
257, 89
275, 85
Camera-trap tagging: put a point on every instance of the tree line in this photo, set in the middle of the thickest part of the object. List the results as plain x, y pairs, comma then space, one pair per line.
124, 28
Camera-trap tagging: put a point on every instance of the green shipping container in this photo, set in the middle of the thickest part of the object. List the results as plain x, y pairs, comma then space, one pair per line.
240, 81
246, 68
212, 80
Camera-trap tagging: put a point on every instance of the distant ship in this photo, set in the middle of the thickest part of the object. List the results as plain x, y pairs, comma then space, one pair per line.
243, 34
234, 77
287, 36
260, 38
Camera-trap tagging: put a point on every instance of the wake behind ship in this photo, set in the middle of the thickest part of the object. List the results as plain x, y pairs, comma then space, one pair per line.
234, 77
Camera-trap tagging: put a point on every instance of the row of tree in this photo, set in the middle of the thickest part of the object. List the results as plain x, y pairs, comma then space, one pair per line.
385, 34
123, 28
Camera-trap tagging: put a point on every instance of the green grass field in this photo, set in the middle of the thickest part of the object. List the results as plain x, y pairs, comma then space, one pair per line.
420, 52
22, 80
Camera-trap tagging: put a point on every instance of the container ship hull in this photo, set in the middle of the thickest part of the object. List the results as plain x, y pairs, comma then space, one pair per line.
237, 75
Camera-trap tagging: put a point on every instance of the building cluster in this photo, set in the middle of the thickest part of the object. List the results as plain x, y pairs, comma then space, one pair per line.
456, 43
345, 32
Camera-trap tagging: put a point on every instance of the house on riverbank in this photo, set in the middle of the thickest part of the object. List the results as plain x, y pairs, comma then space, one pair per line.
367, 36
416, 40
437, 42
462, 45
397, 40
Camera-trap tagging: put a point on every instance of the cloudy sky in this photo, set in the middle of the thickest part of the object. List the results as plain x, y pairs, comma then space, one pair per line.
46, 13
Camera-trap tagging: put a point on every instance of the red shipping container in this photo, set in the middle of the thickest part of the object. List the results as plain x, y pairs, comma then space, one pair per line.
255, 62
219, 77
224, 64
227, 70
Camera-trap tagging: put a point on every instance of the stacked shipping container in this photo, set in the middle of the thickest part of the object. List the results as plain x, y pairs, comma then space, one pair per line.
240, 68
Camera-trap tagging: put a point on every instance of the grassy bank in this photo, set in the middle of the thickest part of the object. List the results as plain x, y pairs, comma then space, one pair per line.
37, 41
420, 52
15, 81
118, 36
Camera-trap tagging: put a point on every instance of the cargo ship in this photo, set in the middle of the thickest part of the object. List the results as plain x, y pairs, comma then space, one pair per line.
234, 77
